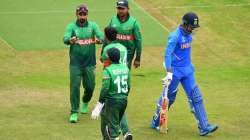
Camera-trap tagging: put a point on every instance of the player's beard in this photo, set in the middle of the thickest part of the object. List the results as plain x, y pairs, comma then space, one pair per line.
122, 15
81, 21
188, 31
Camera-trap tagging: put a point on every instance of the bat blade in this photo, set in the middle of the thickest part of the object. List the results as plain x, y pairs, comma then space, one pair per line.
164, 113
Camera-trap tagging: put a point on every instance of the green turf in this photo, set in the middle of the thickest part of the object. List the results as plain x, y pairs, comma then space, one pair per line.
41, 24
34, 91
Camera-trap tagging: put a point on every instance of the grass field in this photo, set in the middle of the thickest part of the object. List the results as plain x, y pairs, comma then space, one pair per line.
34, 82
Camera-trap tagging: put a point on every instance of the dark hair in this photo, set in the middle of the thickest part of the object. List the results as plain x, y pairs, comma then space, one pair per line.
110, 33
114, 55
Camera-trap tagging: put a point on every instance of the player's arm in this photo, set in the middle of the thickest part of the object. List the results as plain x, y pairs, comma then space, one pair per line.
105, 85
104, 91
129, 82
105, 43
138, 41
99, 34
103, 55
172, 41
171, 44
68, 37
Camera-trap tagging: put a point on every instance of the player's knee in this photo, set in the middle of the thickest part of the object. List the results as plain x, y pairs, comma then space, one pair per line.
75, 88
88, 93
90, 88
196, 95
74, 82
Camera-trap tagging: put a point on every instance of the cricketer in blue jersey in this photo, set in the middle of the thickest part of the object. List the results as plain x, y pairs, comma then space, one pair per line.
180, 70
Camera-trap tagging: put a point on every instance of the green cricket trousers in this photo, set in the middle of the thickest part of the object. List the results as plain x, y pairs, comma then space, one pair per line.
78, 76
111, 117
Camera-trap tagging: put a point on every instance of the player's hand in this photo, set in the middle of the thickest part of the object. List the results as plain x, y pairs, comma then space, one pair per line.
101, 60
167, 80
73, 40
137, 63
97, 111
98, 41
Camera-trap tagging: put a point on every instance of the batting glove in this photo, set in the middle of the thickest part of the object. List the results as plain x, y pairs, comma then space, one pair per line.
97, 111
167, 80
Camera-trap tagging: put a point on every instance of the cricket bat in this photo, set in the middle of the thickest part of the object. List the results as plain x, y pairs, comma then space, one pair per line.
164, 112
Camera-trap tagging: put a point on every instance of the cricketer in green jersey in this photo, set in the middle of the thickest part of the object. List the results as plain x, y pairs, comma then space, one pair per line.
114, 93
81, 36
129, 33
110, 38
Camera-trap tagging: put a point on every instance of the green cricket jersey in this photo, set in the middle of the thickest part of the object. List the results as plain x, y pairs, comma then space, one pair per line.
120, 47
116, 82
129, 34
83, 53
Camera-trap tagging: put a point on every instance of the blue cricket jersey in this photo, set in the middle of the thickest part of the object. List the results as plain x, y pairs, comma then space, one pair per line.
178, 53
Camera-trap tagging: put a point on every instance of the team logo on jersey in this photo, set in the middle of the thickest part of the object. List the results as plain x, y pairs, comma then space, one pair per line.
183, 39
125, 28
76, 32
89, 30
185, 43
128, 29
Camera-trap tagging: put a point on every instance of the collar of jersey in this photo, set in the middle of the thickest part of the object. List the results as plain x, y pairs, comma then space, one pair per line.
84, 25
182, 31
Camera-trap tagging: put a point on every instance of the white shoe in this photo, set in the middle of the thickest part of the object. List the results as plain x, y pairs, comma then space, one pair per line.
128, 136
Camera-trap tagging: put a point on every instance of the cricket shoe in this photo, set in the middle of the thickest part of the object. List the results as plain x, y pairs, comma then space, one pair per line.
209, 129
73, 118
84, 108
108, 134
153, 126
128, 136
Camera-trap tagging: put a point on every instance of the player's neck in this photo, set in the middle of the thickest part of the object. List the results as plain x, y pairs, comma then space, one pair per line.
81, 24
123, 18
184, 30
